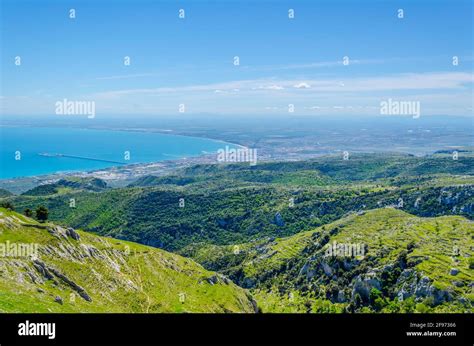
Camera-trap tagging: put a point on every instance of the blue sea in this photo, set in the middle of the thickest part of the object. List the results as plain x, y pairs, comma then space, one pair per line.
27, 143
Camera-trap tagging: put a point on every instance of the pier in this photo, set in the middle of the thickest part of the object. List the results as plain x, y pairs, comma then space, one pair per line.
80, 157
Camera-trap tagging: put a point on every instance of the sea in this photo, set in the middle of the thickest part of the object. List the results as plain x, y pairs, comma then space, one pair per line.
30, 151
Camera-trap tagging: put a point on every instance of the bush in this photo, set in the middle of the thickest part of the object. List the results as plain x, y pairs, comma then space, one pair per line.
376, 299
375, 294
408, 305
422, 308
379, 303
42, 214
392, 307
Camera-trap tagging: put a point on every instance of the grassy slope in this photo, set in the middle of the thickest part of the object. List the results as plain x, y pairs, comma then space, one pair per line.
119, 276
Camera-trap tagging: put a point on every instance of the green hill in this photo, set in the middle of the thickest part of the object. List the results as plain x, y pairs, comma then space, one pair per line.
268, 228
47, 268
408, 264
236, 203
67, 185
5, 193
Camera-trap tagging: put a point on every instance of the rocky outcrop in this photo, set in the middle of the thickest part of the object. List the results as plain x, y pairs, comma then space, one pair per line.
411, 285
70, 232
212, 280
62, 233
42, 269
363, 285
278, 220
48, 272
326, 268
341, 297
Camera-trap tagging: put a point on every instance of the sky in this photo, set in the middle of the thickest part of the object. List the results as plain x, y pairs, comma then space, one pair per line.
333, 58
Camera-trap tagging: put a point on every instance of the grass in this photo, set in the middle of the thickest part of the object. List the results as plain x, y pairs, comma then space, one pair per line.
119, 276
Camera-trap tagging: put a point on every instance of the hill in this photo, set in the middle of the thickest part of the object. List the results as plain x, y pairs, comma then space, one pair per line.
236, 203
5, 193
67, 185
47, 268
383, 260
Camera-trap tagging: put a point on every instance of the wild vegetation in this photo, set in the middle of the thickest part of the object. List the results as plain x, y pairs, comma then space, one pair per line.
226, 204
407, 264
267, 227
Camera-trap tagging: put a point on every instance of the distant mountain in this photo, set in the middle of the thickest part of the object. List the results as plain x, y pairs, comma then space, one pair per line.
67, 185
5, 193
74, 271
151, 180
382, 260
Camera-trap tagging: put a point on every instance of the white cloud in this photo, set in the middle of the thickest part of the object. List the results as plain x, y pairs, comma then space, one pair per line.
126, 76
271, 87
444, 93
317, 64
302, 85
407, 82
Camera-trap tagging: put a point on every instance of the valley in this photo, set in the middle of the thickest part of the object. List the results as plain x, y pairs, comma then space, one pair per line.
266, 229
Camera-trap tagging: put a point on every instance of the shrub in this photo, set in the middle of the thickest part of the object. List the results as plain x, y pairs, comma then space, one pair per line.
42, 214
422, 308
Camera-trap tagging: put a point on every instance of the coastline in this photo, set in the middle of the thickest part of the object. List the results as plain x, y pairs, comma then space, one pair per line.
117, 175
292, 146
121, 129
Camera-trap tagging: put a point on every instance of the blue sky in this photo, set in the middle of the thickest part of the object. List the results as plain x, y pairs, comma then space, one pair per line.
282, 61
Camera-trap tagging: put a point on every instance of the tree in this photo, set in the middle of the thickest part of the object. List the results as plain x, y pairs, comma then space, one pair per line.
408, 305
392, 307
376, 299
7, 205
42, 214
28, 212
379, 303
